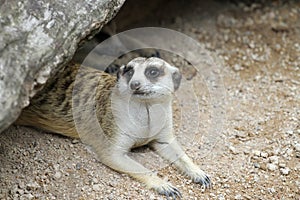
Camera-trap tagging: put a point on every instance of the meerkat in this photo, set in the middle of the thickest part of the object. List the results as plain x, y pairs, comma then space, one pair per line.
133, 109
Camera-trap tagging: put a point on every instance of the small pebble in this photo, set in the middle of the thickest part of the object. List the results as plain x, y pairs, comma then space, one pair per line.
298, 183
212, 195
95, 180
282, 165
256, 153
264, 154
274, 159
78, 166
233, 150
57, 175
256, 178
263, 166
32, 186
238, 197
96, 187
272, 190
297, 147
256, 165
271, 167
75, 141
28, 196
152, 197
21, 192
21, 185
248, 196
285, 171
221, 197
246, 152
56, 167
237, 67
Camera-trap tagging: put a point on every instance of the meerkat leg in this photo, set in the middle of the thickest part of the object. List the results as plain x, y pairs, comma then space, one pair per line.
172, 151
121, 162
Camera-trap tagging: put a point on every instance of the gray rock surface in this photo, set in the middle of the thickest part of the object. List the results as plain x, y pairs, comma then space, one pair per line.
36, 39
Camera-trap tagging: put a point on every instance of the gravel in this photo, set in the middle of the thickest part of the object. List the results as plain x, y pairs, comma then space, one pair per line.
257, 154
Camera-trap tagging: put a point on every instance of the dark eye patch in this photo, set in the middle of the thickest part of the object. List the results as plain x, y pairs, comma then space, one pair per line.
153, 72
127, 69
128, 72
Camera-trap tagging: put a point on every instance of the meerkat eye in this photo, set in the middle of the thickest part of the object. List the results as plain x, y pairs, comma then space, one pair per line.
128, 71
152, 72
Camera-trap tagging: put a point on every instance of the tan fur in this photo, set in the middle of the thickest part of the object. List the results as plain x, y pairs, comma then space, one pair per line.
51, 108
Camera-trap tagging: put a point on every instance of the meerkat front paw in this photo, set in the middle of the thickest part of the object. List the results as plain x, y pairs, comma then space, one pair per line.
200, 177
174, 153
167, 189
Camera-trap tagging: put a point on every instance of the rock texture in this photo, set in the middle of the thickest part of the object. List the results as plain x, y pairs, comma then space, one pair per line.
36, 39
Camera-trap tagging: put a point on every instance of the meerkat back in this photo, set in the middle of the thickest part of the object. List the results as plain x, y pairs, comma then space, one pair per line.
51, 108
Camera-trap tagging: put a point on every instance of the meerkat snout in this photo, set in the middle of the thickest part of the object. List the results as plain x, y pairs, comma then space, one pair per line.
148, 78
135, 85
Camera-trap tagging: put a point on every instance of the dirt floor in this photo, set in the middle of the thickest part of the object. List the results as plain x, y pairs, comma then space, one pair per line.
257, 154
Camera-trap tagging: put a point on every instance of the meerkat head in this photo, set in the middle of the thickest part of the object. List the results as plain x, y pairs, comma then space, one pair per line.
148, 78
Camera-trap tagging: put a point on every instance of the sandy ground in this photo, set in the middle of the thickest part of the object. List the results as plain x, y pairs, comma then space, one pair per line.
257, 154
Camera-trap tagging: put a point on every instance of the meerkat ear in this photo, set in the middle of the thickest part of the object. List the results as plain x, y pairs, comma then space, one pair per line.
176, 77
112, 69
120, 71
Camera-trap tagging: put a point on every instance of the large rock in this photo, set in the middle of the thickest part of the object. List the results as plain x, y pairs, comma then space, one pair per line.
36, 39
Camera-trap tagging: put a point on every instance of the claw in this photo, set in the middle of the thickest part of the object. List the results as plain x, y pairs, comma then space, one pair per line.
170, 192
204, 181
207, 182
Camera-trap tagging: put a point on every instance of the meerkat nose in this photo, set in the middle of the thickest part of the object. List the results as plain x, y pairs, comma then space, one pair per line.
135, 85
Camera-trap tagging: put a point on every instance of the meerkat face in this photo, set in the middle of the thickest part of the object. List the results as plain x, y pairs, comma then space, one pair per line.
148, 78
